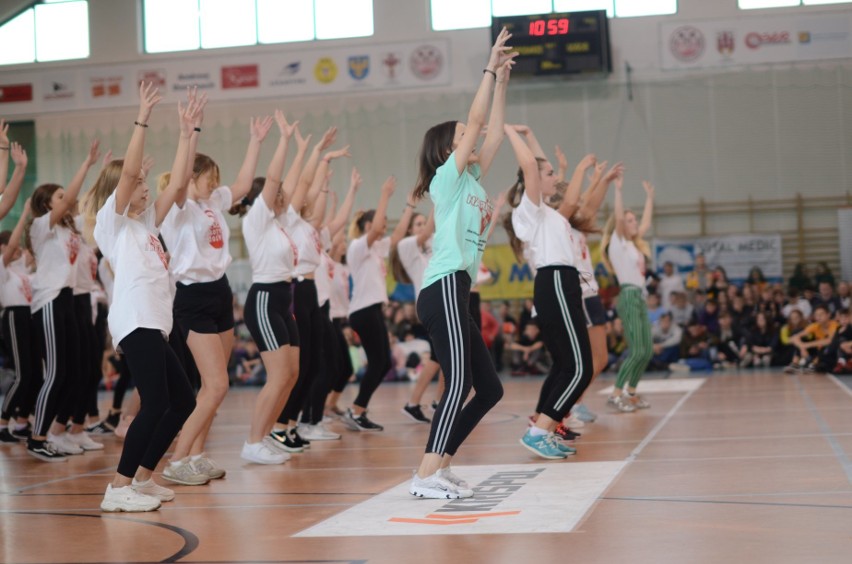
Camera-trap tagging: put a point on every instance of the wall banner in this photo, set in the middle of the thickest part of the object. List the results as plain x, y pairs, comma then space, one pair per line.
737, 254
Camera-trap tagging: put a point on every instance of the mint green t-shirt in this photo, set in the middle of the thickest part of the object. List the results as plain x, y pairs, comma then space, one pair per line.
462, 216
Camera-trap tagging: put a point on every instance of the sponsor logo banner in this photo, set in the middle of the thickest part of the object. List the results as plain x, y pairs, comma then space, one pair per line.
16, 93
516, 499
755, 40
183, 79
157, 77
359, 67
737, 254
325, 71
240, 76
59, 88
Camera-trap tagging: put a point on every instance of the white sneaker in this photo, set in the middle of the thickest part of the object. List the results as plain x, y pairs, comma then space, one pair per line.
259, 453
276, 447
127, 499
84, 441
317, 433
461, 485
433, 487
153, 489
63, 444
573, 422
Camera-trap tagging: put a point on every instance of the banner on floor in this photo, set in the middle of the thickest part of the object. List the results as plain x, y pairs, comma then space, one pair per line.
755, 40
737, 254
290, 71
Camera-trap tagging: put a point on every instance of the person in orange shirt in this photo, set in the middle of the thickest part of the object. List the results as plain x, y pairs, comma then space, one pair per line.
810, 341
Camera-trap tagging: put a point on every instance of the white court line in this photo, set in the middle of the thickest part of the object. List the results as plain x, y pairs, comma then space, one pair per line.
840, 384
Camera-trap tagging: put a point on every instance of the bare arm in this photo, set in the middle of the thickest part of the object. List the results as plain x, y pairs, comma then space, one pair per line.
310, 168
528, 164
330, 209
380, 218
494, 135
14, 188
276, 165
73, 189
316, 199
572, 194
648, 213
498, 207
187, 118
594, 197
259, 128
531, 140
15, 239
402, 225
291, 181
619, 208
131, 170
5, 149
563, 164
429, 231
342, 215
192, 94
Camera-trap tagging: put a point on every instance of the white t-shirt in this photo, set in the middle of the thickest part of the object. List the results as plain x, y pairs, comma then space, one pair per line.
414, 259
107, 278
803, 305
197, 237
627, 261
272, 252
483, 275
86, 281
546, 231
56, 250
322, 278
584, 263
367, 265
339, 274
307, 241
667, 285
16, 288
142, 297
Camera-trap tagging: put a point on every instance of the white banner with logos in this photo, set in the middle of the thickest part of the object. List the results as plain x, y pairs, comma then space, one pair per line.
755, 40
737, 254
302, 72
844, 224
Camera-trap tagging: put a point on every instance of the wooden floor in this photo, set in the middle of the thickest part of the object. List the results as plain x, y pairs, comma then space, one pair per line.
751, 467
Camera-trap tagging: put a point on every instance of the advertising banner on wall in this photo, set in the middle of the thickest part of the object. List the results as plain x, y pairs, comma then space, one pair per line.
303, 72
844, 225
737, 254
755, 40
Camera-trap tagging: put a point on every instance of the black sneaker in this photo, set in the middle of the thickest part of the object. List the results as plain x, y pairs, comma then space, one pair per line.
361, 422
22, 434
112, 420
415, 414
298, 439
43, 450
7, 437
565, 433
434, 406
284, 442
100, 428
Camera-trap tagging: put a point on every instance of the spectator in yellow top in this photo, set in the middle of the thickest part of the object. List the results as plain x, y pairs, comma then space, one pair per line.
810, 341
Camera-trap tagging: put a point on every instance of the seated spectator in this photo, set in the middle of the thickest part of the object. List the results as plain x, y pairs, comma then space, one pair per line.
837, 356
695, 348
823, 274
667, 336
655, 310
528, 351
800, 280
796, 301
719, 283
810, 342
709, 317
616, 344
670, 282
701, 277
760, 341
728, 342
756, 278
741, 316
843, 294
681, 309
490, 327
827, 298
784, 351
526, 315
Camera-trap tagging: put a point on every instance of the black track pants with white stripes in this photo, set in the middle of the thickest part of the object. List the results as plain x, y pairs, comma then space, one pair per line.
18, 333
460, 350
559, 304
54, 327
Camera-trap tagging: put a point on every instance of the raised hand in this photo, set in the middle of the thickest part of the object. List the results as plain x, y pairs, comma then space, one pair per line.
522, 129
4, 133
504, 68
619, 182
301, 142
617, 171
94, 153
147, 165
389, 187
328, 138
649, 188
19, 155
107, 159
355, 180
286, 129
588, 161
188, 116
499, 50
149, 96
259, 128
344, 152
561, 159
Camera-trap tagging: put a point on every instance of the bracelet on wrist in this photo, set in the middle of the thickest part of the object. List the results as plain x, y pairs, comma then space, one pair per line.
491, 72
140, 124
197, 129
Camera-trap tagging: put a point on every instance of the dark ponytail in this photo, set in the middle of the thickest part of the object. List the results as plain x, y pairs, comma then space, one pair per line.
241, 208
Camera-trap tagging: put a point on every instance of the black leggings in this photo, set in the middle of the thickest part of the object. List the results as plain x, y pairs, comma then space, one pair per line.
475, 311
18, 333
167, 400
315, 401
559, 304
124, 381
57, 337
98, 347
86, 376
443, 307
343, 369
369, 323
309, 325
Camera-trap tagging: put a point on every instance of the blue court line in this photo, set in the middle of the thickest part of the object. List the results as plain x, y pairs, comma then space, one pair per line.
824, 427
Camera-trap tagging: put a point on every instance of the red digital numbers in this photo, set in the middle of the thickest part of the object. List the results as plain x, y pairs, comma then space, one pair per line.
539, 28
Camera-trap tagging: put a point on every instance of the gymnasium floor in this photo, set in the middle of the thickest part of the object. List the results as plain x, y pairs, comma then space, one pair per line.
751, 467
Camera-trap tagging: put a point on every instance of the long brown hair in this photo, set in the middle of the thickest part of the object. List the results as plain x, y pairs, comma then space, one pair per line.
40, 205
513, 198
203, 164
359, 222
583, 224
436, 149
96, 197
397, 268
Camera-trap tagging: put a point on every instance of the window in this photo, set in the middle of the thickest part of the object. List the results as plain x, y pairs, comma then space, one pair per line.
182, 25
56, 30
455, 14
755, 4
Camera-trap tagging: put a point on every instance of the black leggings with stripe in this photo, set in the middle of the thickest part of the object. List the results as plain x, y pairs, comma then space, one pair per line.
18, 333
369, 323
57, 336
443, 307
558, 301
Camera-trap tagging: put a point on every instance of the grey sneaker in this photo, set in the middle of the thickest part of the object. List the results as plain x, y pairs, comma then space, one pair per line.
153, 489
461, 485
620, 404
207, 466
638, 401
185, 473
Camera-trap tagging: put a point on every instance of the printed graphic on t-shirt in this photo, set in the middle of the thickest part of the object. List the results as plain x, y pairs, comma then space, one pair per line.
214, 234
292, 246
155, 246
330, 270
317, 241
486, 210
26, 288
93, 266
73, 247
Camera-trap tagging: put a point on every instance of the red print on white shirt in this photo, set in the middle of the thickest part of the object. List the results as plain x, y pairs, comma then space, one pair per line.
93, 266
26, 288
214, 234
73, 246
486, 210
154, 245
293, 246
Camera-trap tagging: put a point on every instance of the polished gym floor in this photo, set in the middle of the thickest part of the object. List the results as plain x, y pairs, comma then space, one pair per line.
728, 467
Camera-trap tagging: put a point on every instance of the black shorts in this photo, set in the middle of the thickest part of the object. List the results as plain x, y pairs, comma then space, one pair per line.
594, 310
205, 307
268, 317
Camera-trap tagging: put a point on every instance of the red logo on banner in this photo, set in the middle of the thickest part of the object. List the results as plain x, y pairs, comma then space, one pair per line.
687, 43
106, 86
754, 39
156, 77
16, 93
725, 42
242, 76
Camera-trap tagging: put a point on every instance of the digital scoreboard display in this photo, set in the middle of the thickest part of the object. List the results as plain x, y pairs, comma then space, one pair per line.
558, 44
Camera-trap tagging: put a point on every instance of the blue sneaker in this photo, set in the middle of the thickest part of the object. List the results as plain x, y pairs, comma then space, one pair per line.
543, 445
584, 414
568, 450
